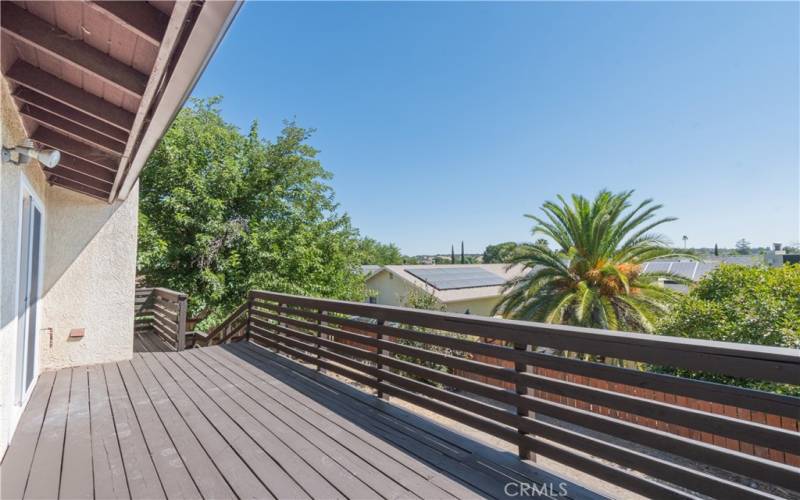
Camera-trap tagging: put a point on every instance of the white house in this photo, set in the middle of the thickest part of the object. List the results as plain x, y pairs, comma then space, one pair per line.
466, 288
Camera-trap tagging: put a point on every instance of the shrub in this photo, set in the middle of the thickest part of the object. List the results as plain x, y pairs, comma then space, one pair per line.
751, 305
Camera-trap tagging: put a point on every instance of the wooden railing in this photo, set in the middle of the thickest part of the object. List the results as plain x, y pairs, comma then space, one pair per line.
413, 355
162, 312
789, 423
232, 328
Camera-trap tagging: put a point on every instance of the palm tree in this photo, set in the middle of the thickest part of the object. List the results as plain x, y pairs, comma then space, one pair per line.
593, 277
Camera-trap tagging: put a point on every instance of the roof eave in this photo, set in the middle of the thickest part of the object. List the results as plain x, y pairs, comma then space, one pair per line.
191, 56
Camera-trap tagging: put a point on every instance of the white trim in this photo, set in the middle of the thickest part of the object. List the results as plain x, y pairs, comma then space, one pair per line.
19, 403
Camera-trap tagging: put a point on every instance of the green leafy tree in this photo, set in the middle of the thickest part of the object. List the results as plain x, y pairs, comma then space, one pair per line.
375, 252
751, 305
593, 277
743, 247
223, 212
505, 252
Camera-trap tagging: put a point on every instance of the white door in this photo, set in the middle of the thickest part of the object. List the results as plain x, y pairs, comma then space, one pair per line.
29, 290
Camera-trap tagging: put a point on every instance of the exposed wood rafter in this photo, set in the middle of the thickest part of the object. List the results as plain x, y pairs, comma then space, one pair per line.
28, 96
74, 185
34, 78
75, 164
72, 129
84, 179
139, 17
36, 32
74, 147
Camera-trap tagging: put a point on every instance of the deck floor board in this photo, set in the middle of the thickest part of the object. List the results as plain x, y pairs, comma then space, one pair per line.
150, 342
238, 421
205, 473
110, 480
370, 473
143, 480
76, 472
42, 482
17, 462
237, 473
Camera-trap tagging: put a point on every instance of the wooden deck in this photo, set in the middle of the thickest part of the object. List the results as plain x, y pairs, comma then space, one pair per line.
239, 421
149, 342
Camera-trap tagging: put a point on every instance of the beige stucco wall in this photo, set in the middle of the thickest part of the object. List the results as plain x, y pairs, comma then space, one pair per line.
391, 291
89, 278
479, 307
88, 272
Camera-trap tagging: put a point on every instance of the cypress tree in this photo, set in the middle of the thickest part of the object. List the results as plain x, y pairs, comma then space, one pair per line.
452, 254
462, 253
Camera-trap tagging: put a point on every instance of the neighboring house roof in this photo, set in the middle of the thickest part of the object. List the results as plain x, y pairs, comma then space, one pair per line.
370, 269
405, 272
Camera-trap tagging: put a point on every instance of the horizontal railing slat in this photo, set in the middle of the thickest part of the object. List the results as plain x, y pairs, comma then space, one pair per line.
773, 437
739, 360
725, 394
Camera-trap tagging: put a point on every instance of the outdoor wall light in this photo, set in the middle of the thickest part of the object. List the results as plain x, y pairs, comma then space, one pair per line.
48, 158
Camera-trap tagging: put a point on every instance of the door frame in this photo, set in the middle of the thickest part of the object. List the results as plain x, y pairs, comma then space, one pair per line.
21, 400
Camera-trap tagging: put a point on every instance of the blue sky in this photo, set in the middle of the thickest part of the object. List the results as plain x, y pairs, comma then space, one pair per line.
444, 122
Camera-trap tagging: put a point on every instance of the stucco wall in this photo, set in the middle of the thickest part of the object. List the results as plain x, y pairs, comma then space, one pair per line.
478, 307
391, 290
88, 272
89, 278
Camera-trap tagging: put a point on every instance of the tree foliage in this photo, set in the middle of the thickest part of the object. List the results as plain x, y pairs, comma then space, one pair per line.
743, 247
593, 277
752, 305
503, 252
375, 252
222, 212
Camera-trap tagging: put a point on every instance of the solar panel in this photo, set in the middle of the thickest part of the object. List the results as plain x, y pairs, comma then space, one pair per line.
691, 270
457, 277
683, 269
705, 268
656, 267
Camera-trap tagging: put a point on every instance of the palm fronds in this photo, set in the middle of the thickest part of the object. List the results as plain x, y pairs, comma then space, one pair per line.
593, 276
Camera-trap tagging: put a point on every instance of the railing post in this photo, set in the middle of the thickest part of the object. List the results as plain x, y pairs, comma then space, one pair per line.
249, 315
318, 334
378, 354
525, 453
277, 332
180, 339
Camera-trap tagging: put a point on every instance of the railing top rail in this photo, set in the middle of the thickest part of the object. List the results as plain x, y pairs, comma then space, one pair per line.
210, 336
745, 360
170, 293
